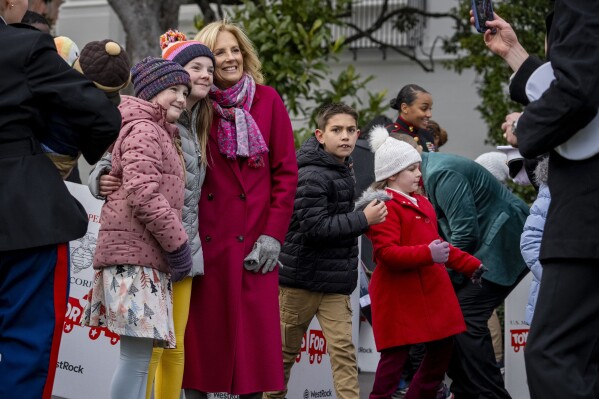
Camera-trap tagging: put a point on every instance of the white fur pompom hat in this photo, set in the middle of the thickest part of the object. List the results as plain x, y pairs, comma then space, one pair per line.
391, 156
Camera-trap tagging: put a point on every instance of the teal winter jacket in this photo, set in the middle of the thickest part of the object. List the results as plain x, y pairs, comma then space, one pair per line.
477, 214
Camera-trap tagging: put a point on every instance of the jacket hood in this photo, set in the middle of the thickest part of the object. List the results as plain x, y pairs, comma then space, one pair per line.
312, 153
369, 195
134, 109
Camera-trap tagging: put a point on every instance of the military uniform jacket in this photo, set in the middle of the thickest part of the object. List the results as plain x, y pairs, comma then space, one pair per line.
36, 208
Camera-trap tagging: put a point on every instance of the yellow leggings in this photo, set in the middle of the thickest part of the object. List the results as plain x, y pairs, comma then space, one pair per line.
166, 366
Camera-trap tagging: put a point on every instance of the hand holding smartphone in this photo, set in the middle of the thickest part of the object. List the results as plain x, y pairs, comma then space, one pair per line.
483, 12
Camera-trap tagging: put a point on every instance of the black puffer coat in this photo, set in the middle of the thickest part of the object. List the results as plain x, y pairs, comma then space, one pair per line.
321, 247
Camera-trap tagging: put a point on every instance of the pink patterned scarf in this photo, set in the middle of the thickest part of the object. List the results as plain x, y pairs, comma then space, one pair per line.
238, 134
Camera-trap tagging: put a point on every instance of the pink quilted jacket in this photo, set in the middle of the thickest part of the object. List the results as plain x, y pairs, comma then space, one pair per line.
142, 219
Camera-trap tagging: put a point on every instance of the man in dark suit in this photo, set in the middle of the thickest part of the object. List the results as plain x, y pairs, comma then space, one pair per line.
562, 351
38, 216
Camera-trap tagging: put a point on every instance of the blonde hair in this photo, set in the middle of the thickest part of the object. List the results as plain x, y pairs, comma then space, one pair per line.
201, 115
251, 63
379, 185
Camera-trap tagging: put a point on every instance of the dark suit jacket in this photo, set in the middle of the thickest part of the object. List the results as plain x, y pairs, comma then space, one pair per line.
35, 207
570, 103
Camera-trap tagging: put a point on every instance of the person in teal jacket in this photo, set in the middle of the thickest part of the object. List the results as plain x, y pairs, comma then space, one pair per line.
479, 215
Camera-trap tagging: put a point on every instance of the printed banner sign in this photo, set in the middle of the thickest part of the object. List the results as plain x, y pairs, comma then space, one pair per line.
368, 357
515, 334
87, 356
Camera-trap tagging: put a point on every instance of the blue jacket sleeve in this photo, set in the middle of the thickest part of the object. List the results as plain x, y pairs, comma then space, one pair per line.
530, 241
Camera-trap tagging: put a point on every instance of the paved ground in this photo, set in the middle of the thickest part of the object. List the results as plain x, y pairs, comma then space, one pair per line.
366, 380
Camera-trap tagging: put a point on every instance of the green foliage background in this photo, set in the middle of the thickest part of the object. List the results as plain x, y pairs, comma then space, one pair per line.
527, 18
293, 39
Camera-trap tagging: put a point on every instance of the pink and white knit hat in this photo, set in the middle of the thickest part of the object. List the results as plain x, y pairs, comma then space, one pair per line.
175, 47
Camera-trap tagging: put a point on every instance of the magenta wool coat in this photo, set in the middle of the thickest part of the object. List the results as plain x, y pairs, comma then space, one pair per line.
412, 298
233, 336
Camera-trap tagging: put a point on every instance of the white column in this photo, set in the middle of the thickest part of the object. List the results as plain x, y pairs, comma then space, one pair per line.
87, 20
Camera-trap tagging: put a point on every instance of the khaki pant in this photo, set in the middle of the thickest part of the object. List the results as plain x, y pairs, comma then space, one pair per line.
334, 314
496, 335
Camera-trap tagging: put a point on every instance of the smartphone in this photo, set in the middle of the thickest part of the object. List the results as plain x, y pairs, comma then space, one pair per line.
483, 12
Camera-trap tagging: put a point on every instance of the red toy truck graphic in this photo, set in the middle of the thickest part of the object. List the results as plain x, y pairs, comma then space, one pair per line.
73, 318
315, 344
519, 338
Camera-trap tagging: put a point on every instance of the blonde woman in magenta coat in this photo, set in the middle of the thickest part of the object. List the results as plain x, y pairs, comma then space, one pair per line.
233, 337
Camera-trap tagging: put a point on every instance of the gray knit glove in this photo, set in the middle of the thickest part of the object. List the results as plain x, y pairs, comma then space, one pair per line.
264, 255
251, 262
180, 262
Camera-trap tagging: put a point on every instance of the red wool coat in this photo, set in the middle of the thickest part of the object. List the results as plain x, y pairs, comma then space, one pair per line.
233, 336
412, 298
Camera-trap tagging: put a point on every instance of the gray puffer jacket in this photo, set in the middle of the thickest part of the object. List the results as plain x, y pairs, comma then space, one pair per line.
195, 173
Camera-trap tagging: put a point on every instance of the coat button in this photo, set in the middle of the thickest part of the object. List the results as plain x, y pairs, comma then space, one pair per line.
242, 196
240, 238
210, 197
427, 220
208, 238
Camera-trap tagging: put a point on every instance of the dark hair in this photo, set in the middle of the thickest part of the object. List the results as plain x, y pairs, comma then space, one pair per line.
407, 95
438, 132
31, 17
326, 112
379, 120
406, 138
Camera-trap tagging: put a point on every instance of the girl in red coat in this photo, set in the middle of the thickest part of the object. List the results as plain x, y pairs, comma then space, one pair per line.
413, 300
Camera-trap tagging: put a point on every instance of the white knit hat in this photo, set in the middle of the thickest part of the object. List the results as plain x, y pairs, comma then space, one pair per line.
391, 156
496, 163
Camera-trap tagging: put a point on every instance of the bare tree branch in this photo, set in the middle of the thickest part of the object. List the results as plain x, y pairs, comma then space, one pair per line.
209, 14
141, 25
384, 17
207, 11
145, 20
397, 49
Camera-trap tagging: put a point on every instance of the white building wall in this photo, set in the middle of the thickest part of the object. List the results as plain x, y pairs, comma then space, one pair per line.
454, 95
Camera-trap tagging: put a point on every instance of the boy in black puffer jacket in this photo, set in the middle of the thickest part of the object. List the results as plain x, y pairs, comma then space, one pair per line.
320, 254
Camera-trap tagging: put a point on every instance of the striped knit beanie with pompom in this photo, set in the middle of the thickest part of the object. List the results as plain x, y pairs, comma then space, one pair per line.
177, 48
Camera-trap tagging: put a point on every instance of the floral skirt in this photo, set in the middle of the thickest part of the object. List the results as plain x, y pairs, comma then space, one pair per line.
132, 300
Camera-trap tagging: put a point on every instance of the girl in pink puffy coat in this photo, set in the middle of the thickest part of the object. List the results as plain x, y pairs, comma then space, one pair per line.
142, 245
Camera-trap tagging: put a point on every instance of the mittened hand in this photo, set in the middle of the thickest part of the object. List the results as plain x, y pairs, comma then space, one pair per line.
251, 262
269, 253
180, 262
476, 277
439, 251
